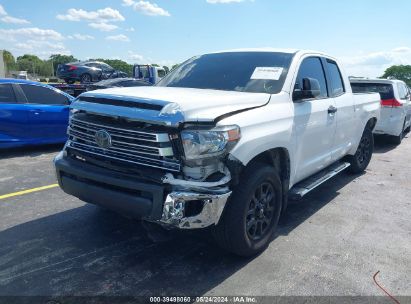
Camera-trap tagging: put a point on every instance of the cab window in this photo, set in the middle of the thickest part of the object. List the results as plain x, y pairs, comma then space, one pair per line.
337, 83
144, 72
161, 73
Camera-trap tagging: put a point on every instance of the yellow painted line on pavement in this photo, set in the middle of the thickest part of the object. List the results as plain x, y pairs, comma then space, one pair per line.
28, 191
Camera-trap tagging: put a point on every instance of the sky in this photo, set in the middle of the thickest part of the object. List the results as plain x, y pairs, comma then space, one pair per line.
366, 35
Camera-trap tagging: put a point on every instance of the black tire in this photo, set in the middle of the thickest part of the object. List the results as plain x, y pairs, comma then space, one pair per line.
396, 140
359, 162
256, 202
85, 78
69, 81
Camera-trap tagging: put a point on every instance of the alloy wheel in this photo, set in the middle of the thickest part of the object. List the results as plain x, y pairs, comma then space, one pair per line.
260, 212
364, 150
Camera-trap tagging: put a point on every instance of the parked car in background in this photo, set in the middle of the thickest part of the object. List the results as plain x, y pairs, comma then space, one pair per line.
395, 118
32, 113
222, 141
149, 73
117, 82
88, 71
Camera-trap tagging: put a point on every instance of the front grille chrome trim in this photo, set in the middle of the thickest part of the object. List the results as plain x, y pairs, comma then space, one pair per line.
168, 151
92, 144
172, 166
157, 137
144, 148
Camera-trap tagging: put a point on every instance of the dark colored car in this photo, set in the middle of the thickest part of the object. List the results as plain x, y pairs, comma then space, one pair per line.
88, 71
118, 82
32, 113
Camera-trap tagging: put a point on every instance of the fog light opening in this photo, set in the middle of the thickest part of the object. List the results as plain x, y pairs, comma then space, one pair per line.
193, 208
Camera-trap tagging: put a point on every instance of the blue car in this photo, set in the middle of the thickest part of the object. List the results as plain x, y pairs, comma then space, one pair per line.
32, 113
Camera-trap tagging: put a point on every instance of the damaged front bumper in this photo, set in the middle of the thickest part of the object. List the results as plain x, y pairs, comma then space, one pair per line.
195, 204
172, 202
175, 207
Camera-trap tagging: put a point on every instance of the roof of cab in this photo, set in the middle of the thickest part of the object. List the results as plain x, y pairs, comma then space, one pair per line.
271, 50
300, 52
267, 49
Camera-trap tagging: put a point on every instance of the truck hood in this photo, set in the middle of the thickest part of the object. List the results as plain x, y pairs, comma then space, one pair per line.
173, 105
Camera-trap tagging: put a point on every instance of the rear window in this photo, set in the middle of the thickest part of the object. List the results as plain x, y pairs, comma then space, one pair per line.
385, 89
260, 72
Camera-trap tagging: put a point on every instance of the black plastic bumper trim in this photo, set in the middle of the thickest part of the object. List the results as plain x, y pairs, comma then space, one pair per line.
108, 189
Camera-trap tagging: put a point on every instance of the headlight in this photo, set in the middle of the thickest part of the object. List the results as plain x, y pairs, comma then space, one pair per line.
205, 143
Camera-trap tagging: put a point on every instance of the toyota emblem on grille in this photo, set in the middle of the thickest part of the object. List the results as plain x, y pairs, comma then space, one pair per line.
103, 139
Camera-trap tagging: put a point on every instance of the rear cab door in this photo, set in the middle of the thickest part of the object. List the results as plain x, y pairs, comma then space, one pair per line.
48, 111
314, 123
13, 117
346, 126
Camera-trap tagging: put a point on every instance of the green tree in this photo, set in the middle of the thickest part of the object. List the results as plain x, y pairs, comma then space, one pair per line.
400, 72
9, 61
46, 68
166, 68
174, 66
29, 63
34, 65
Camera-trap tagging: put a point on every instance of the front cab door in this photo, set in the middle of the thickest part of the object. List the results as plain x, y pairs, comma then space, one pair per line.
314, 121
48, 112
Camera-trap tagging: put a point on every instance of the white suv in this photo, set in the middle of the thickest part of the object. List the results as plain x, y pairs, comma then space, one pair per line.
395, 117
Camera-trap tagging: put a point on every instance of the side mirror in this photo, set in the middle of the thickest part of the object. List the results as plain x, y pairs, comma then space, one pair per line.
68, 101
310, 90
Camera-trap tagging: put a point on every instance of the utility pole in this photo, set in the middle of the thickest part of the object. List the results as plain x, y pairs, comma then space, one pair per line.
2, 65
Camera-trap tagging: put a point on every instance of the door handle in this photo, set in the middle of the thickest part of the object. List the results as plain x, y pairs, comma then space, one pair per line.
332, 110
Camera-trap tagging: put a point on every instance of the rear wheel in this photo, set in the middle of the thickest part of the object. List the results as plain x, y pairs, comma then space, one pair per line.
396, 140
85, 78
362, 157
252, 213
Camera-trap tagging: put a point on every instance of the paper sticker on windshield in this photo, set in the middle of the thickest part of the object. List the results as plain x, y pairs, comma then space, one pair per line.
267, 73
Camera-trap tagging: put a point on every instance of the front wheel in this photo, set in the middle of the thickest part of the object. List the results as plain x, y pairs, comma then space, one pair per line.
359, 162
252, 212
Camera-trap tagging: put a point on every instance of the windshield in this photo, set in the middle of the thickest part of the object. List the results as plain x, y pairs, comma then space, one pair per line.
385, 89
258, 72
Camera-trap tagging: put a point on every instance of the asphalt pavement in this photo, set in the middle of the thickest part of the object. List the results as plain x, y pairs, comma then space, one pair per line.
331, 243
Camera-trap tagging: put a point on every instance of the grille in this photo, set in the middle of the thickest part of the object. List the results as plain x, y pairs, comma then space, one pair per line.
128, 146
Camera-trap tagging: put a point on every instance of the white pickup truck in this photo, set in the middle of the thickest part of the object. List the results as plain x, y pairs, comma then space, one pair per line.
221, 141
